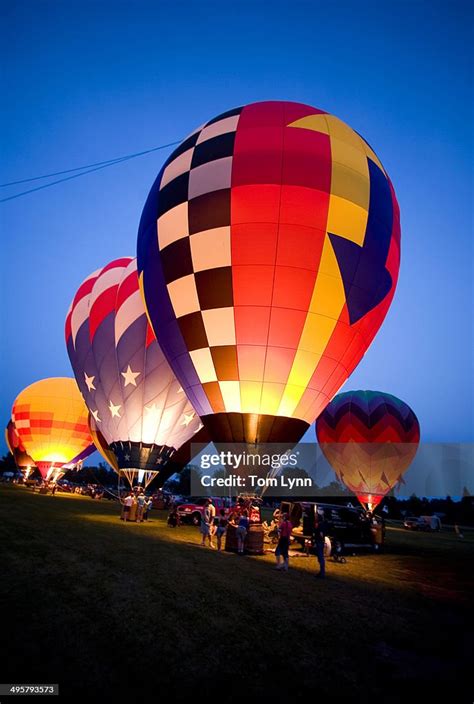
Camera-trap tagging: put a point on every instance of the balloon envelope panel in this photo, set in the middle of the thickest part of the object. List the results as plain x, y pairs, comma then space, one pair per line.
268, 254
82, 455
370, 439
101, 445
21, 457
51, 420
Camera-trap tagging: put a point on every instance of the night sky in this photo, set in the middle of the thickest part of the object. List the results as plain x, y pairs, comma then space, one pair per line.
89, 81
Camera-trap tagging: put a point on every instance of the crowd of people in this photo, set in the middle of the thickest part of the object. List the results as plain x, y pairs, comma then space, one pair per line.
212, 525
136, 506
319, 532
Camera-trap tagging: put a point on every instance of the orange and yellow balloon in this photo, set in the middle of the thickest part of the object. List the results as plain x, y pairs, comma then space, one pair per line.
50, 418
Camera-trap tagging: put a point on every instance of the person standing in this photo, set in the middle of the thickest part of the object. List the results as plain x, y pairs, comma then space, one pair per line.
242, 530
132, 516
221, 528
147, 508
207, 522
127, 505
282, 549
319, 537
141, 500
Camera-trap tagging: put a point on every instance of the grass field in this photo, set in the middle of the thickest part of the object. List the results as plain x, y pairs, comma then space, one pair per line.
131, 611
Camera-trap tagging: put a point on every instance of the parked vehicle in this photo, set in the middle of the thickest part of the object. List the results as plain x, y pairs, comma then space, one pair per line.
348, 528
191, 512
414, 523
424, 523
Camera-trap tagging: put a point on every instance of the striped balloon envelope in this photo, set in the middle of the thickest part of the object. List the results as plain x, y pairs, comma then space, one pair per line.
51, 420
16, 447
370, 439
133, 396
268, 256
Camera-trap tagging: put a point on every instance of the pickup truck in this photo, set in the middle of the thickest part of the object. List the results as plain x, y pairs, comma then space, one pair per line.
192, 511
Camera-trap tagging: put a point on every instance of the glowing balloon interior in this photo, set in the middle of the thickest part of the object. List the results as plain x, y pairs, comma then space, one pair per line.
51, 420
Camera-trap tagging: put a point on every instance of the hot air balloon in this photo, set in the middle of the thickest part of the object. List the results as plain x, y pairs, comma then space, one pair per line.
22, 459
370, 439
51, 420
101, 444
131, 392
268, 255
76, 462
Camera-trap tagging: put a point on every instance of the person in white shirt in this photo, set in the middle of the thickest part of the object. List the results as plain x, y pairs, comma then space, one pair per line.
127, 505
207, 522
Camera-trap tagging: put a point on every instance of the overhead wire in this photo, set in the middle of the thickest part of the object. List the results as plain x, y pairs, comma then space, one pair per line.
87, 169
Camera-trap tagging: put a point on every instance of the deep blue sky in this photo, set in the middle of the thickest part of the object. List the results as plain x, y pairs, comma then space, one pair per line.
87, 81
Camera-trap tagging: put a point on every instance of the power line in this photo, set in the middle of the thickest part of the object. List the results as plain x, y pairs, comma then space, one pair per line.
98, 166
87, 166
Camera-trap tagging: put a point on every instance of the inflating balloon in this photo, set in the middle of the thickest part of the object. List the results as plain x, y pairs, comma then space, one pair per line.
51, 420
129, 388
77, 462
370, 439
22, 459
268, 255
101, 444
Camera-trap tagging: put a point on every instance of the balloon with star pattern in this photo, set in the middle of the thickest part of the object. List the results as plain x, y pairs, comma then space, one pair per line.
128, 386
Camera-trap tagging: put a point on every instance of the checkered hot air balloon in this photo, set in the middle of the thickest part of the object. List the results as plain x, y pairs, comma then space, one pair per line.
370, 439
51, 420
132, 394
268, 255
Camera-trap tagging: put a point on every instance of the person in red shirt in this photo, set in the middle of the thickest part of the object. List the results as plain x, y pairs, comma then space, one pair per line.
284, 529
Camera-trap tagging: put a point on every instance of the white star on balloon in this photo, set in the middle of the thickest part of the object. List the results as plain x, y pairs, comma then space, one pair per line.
130, 376
180, 390
89, 382
127, 457
114, 410
187, 419
95, 414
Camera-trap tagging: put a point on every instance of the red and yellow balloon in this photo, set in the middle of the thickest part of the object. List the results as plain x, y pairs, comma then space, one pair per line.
268, 256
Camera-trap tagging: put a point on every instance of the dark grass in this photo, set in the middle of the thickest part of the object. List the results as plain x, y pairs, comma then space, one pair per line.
132, 611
